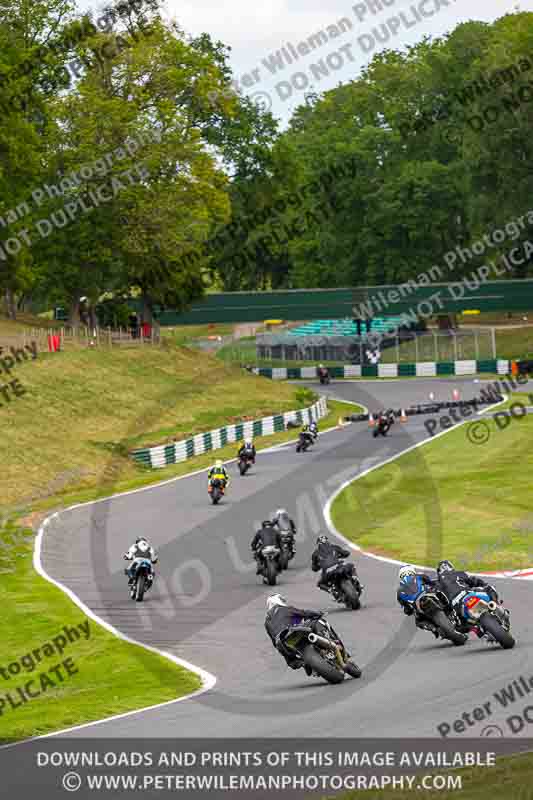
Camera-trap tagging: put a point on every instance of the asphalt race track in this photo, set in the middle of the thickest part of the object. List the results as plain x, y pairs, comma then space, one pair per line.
208, 606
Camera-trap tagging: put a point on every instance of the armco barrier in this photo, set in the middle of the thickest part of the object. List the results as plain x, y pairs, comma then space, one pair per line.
422, 369
174, 453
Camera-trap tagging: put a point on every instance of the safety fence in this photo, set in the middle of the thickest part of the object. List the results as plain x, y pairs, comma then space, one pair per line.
176, 452
423, 369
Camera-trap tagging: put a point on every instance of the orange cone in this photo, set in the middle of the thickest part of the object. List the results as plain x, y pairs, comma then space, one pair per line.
403, 416
371, 420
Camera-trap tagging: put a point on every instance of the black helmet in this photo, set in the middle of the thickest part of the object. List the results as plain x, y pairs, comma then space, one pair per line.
267, 523
322, 539
445, 566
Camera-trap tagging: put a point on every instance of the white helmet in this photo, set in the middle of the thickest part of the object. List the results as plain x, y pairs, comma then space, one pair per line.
218, 464
408, 569
275, 600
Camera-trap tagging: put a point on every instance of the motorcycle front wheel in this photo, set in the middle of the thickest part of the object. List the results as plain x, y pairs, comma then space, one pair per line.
271, 573
141, 586
446, 628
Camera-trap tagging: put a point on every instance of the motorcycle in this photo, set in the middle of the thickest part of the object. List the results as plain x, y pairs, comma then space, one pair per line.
245, 462
287, 541
383, 426
325, 380
142, 571
313, 430
344, 585
486, 617
434, 614
305, 440
270, 556
315, 645
216, 490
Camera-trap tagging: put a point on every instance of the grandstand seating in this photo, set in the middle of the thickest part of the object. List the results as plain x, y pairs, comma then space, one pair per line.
344, 327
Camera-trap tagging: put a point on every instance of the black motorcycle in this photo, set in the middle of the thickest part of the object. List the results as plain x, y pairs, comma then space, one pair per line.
325, 380
142, 578
434, 614
489, 619
344, 585
270, 559
305, 440
315, 645
216, 490
245, 462
383, 426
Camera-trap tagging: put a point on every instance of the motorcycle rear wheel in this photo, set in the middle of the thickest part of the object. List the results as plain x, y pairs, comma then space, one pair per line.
352, 669
351, 598
141, 584
318, 664
284, 560
271, 573
490, 624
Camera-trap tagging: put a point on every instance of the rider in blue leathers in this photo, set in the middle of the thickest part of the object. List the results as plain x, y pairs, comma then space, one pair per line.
412, 585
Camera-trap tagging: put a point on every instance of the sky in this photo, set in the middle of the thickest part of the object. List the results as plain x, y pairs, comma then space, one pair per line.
265, 36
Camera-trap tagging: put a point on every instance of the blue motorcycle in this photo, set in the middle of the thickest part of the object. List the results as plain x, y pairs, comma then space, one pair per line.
141, 574
486, 617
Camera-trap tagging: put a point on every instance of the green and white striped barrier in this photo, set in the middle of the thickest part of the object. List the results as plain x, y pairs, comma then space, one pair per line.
422, 369
176, 452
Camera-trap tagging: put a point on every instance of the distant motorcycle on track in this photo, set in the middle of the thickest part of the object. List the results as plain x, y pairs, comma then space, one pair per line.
344, 585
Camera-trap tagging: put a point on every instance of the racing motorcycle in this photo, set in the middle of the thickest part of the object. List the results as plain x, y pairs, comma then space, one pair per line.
434, 614
270, 557
287, 541
245, 462
216, 489
305, 440
141, 569
313, 644
313, 430
324, 377
344, 585
486, 617
383, 425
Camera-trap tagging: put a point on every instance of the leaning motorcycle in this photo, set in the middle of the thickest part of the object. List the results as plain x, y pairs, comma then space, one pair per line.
486, 617
382, 427
142, 571
304, 442
315, 645
270, 558
434, 614
344, 585
216, 489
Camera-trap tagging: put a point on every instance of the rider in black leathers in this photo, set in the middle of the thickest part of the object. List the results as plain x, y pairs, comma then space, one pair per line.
247, 448
324, 556
455, 582
279, 619
267, 535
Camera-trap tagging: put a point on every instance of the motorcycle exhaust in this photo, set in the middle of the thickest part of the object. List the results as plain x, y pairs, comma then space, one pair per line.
321, 641
493, 606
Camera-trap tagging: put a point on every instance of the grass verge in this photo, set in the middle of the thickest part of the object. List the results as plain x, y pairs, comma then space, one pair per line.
484, 495
111, 676
510, 777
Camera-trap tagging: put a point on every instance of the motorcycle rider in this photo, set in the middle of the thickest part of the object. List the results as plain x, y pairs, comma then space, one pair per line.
140, 549
247, 449
307, 433
267, 536
286, 525
455, 583
325, 556
313, 429
279, 620
410, 586
218, 471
